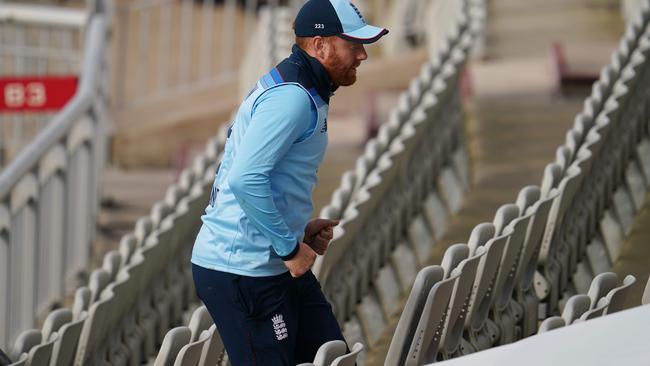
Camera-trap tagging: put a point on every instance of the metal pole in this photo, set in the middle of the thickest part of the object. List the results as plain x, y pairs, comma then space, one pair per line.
207, 40
185, 43
143, 54
164, 52
228, 36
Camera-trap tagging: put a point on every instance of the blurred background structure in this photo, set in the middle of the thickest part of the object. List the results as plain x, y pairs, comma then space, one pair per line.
112, 123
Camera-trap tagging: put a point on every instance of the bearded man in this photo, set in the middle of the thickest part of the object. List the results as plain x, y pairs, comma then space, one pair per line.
252, 258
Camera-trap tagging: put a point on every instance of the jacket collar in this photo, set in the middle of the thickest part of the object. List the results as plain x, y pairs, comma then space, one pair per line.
315, 71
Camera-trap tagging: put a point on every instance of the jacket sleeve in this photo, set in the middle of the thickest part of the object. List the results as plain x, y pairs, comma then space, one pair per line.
280, 117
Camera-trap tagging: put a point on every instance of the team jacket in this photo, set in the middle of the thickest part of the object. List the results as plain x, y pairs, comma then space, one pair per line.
261, 197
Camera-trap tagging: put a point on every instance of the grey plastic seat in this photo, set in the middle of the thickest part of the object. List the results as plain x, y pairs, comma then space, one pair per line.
507, 313
425, 344
57, 326
349, 359
112, 263
551, 323
483, 333
554, 257
458, 260
213, 348
126, 248
174, 341
200, 321
126, 339
92, 340
408, 321
575, 307
190, 354
21, 361
25, 342
602, 284
328, 352
531, 201
616, 297
595, 312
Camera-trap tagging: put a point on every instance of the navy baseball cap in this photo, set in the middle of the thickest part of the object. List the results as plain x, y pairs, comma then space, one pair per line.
335, 18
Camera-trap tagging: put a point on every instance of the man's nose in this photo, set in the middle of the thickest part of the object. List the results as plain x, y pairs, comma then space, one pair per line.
362, 54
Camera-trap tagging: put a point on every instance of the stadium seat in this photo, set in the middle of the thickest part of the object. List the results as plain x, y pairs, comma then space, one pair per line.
408, 321
551, 323
507, 313
350, 358
174, 341
616, 297
602, 284
213, 349
575, 307
457, 259
328, 352
645, 298
482, 331
190, 354
530, 201
425, 344
597, 311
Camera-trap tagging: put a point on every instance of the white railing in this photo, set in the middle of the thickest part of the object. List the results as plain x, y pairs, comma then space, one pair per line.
165, 48
49, 194
36, 40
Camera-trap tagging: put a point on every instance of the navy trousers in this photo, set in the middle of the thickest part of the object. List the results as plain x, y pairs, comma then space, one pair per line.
276, 320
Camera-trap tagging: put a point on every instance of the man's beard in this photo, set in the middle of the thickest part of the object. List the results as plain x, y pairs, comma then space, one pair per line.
340, 74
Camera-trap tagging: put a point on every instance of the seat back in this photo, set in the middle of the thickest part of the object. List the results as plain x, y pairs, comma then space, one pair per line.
601, 285
172, 344
595, 312
426, 340
461, 296
329, 351
41, 354
213, 348
509, 220
616, 297
349, 359
408, 321
200, 321
534, 234
486, 273
25, 342
551, 323
575, 307
645, 300
190, 354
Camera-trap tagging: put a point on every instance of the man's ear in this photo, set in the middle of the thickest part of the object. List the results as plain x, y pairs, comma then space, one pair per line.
319, 46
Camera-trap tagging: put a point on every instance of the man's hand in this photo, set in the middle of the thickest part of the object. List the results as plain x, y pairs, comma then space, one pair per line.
318, 234
302, 261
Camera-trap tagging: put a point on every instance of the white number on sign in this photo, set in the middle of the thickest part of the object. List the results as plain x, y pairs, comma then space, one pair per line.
33, 94
319, 26
14, 95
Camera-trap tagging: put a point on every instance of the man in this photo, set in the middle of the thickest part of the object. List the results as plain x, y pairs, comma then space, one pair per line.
252, 257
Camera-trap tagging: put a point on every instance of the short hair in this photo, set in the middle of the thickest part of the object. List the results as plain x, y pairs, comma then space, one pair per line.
302, 42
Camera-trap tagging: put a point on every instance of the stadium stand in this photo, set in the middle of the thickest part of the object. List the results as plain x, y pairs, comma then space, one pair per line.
538, 256
49, 194
35, 41
594, 190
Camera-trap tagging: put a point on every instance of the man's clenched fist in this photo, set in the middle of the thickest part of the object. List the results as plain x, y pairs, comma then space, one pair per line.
302, 261
319, 233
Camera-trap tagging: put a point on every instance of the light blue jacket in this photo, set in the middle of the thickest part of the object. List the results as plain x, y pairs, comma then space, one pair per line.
261, 197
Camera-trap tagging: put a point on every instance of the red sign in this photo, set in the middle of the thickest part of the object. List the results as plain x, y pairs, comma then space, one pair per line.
36, 94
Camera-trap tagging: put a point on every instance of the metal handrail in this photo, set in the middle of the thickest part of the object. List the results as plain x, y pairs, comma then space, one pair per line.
65, 120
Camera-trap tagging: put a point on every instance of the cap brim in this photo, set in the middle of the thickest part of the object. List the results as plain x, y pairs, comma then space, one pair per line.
366, 34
